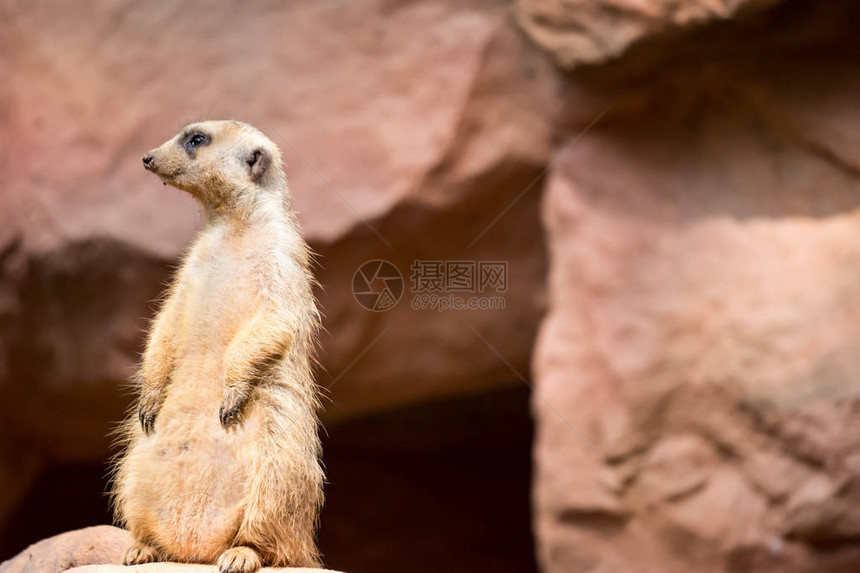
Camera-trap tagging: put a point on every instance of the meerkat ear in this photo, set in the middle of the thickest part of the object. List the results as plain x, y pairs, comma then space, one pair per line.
258, 162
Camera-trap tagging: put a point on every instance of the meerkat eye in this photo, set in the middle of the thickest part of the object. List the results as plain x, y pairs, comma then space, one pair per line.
195, 140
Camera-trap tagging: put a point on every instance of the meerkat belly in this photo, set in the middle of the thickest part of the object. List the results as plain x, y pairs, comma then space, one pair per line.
199, 470
197, 476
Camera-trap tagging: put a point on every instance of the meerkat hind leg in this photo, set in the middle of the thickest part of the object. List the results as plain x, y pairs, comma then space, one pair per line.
140, 553
240, 559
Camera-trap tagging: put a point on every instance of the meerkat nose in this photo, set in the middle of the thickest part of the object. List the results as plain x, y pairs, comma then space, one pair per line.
147, 161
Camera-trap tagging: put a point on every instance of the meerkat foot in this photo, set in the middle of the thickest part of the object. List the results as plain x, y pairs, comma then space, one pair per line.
140, 553
242, 559
231, 406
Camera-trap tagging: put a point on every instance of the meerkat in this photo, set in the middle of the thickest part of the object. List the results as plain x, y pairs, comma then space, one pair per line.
222, 458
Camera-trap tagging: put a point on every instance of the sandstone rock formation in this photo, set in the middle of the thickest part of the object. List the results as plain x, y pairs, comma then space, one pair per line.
585, 32
92, 545
697, 389
180, 568
99, 550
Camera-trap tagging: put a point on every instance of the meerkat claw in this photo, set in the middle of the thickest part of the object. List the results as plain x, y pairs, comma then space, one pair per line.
232, 402
239, 560
229, 416
139, 553
147, 420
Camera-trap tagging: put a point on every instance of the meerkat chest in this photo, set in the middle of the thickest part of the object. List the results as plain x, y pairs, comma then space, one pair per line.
220, 290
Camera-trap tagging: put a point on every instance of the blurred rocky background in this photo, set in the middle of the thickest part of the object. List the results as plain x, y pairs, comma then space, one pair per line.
673, 383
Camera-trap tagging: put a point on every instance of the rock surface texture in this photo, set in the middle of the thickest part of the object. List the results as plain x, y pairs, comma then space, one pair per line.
182, 568
92, 545
99, 550
697, 373
585, 32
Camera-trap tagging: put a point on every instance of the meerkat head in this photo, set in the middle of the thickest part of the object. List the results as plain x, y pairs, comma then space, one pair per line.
218, 161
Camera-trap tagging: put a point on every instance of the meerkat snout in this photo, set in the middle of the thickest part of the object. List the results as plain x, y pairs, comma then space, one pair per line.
147, 160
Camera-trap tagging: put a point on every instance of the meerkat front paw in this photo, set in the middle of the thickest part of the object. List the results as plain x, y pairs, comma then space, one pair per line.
147, 409
231, 406
240, 559
140, 553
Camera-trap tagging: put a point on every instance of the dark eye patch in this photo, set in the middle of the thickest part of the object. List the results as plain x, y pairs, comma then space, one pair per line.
194, 140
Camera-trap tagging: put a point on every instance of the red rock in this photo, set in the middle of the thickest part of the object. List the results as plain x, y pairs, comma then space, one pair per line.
182, 568
99, 550
700, 348
93, 545
588, 32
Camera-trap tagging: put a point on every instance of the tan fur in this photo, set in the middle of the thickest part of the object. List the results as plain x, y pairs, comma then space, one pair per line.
224, 449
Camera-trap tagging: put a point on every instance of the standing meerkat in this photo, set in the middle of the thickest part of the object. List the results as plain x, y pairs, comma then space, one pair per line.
222, 459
